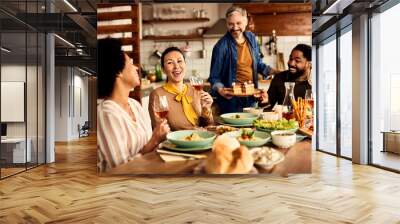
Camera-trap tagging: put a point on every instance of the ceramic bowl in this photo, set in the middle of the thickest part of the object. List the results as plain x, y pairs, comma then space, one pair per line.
270, 116
260, 138
238, 118
178, 138
283, 139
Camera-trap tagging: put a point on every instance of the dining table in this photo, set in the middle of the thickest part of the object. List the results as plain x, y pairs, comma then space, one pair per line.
297, 159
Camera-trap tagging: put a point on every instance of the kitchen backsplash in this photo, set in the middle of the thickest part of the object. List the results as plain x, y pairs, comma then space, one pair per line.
202, 64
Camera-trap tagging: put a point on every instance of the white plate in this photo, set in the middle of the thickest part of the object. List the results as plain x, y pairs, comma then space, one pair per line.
168, 145
271, 130
235, 125
276, 157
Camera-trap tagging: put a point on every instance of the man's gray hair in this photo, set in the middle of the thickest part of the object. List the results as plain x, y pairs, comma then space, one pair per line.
233, 9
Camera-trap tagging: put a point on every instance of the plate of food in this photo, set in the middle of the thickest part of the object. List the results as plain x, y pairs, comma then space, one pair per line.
266, 157
221, 129
250, 137
230, 91
191, 138
172, 147
220, 121
239, 118
278, 125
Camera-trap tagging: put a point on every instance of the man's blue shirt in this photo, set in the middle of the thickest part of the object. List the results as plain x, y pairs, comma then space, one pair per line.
224, 66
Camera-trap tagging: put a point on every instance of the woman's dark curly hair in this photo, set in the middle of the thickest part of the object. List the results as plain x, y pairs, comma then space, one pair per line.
110, 62
170, 49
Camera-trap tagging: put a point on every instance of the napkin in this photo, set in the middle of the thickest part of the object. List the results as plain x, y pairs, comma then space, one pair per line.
169, 156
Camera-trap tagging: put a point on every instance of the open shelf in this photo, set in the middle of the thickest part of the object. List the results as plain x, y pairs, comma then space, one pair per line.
173, 37
176, 20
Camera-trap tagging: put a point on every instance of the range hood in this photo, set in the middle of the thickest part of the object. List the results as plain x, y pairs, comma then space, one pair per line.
217, 30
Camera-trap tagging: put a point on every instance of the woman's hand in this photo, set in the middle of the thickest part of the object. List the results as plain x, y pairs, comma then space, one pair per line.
161, 130
159, 134
205, 100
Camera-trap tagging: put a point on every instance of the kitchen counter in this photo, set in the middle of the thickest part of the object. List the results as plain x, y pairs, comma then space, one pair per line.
145, 90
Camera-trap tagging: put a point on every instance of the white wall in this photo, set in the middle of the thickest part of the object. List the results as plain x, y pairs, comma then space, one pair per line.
71, 93
10, 73
34, 125
212, 10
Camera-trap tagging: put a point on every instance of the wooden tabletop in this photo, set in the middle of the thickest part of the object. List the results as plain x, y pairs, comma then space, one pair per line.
297, 160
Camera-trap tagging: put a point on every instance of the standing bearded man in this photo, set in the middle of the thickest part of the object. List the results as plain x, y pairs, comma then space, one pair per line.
236, 58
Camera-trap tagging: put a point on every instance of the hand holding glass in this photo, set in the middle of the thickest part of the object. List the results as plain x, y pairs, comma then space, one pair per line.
161, 106
196, 82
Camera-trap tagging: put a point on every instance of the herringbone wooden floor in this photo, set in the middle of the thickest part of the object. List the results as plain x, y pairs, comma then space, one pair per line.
70, 191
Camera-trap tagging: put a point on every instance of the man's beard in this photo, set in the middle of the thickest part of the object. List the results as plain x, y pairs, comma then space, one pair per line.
232, 30
297, 74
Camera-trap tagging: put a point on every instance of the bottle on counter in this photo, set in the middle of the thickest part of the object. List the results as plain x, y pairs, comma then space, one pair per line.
143, 71
287, 107
158, 73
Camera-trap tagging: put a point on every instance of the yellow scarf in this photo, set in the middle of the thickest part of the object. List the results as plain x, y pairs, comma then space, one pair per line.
186, 102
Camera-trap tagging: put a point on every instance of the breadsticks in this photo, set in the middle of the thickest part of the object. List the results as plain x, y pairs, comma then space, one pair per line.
299, 109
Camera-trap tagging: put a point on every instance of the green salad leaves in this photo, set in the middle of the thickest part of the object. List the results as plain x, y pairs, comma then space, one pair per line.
276, 125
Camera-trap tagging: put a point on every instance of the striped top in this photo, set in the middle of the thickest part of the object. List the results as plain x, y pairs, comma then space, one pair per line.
119, 138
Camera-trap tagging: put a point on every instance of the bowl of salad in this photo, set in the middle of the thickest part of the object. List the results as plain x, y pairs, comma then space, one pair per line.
278, 125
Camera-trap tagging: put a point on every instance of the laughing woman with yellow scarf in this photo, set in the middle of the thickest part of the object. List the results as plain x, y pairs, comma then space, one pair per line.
188, 108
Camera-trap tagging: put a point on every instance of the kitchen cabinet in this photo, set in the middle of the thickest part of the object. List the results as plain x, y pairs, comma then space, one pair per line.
174, 37
287, 19
175, 20
127, 33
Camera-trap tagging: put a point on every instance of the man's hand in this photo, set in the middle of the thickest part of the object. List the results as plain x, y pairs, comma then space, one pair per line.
224, 93
264, 96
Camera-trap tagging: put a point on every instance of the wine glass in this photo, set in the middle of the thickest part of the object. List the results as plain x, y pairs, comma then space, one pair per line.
310, 102
309, 98
161, 106
196, 82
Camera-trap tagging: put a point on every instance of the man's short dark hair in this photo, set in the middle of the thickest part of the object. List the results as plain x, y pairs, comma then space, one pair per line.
110, 62
166, 51
306, 49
